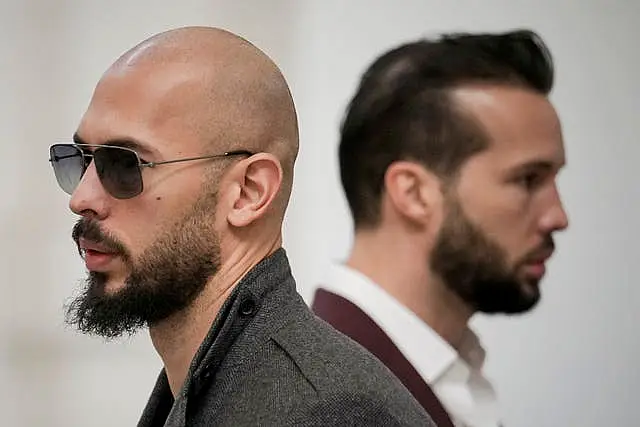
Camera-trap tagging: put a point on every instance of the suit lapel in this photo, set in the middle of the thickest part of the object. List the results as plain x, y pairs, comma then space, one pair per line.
349, 319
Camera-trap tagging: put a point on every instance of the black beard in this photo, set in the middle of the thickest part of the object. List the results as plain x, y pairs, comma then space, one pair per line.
476, 267
164, 280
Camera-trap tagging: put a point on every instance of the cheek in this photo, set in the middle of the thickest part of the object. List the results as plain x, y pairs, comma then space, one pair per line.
505, 221
142, 223
504, 211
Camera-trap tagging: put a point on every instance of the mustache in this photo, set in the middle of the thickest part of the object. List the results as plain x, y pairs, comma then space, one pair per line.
546, 248
90, 230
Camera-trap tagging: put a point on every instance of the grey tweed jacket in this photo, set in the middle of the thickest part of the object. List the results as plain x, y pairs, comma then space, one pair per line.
269, 361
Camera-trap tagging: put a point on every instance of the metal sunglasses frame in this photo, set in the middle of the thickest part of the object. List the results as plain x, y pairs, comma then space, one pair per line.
141, 164
147, 164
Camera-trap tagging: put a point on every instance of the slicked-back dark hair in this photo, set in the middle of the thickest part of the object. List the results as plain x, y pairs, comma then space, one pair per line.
403, 110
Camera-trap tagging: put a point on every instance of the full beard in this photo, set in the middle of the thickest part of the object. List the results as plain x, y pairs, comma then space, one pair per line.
164, 280
476, 268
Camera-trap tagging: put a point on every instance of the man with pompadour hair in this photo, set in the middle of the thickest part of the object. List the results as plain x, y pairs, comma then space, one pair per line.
449, 154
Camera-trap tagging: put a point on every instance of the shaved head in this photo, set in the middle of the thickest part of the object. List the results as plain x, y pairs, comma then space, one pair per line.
223, 88
181, 100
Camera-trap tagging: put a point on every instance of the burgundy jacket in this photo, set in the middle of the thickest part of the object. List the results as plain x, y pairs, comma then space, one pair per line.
349, 319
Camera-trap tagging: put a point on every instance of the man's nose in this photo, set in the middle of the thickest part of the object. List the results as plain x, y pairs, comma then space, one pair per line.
555, 218
90, 198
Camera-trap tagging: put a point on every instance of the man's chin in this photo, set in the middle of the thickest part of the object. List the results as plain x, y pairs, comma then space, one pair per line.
530, 289
106, 283
108, 316
527, 301
114, 286
513, 299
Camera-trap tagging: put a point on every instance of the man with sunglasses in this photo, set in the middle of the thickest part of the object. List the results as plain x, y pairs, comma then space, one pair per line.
181, 171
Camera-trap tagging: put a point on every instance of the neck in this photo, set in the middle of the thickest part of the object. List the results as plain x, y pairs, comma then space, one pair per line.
178, 338
399, 264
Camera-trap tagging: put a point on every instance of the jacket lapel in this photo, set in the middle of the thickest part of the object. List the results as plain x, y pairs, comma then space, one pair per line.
158, 405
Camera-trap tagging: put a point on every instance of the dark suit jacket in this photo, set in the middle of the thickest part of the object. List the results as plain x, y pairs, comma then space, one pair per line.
349, 319
269, 361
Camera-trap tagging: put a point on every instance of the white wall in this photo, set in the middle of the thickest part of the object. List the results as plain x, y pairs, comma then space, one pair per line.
559, 366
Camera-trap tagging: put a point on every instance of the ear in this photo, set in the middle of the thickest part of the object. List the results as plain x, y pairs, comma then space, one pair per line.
412, 190
258, 182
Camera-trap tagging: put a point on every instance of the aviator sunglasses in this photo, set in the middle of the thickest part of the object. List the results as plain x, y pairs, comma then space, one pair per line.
119, 168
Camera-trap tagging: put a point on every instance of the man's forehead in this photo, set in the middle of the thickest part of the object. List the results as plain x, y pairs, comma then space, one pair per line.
151, 114
531, 154
506, 103
522, 126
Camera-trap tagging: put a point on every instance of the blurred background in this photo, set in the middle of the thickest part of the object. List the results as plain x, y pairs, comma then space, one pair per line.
568, 363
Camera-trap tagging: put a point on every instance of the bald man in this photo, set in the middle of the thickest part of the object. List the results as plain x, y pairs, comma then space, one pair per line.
181, 171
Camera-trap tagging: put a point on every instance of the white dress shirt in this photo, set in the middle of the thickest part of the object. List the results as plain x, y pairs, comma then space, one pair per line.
455, 377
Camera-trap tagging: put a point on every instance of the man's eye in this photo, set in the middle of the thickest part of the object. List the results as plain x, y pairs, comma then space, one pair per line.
529, 180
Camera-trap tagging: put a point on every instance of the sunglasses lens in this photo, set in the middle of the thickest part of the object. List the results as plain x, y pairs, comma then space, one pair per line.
119, 171
68, 165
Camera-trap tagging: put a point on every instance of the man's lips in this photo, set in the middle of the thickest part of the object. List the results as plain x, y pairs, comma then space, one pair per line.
97, 257
536, 266
87, 245
542, 257
537, 270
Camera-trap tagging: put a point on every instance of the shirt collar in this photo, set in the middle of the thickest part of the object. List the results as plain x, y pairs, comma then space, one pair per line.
429, 353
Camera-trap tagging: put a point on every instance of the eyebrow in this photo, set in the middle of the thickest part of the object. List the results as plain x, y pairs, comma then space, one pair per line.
130, 143
538, 165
